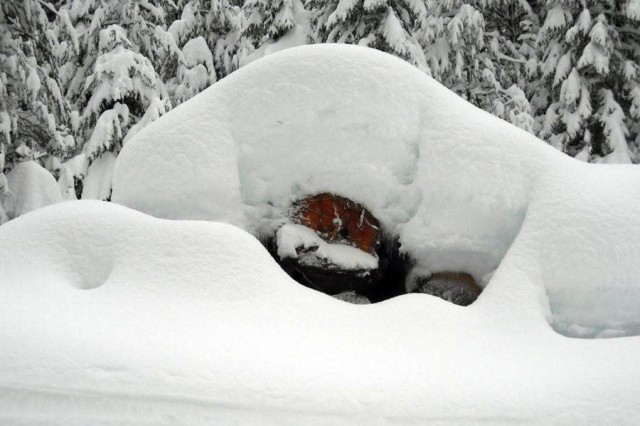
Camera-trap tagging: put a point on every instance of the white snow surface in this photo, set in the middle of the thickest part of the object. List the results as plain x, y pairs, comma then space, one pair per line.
111, 316
30, 187
633, 9
97, 184
460, 189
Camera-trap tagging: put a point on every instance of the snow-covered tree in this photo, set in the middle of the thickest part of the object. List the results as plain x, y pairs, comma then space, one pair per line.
122, 91
473, 49
34, 114
266, 27
268, 19
112, 82
630, 39
591, 61
386, 25
195, 70
217, 22
511, 28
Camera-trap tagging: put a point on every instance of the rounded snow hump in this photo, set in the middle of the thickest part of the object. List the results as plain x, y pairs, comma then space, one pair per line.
436, 171
456, 186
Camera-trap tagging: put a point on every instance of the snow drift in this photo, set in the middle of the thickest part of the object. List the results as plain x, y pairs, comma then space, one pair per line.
456, 186
112, 316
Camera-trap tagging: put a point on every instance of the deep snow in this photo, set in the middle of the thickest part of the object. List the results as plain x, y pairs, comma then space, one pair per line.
454, 184
109, 315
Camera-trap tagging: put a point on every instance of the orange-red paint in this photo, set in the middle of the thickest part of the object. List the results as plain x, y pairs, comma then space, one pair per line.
338, 220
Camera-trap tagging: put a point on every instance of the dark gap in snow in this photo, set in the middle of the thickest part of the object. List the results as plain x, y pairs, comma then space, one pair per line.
456, 287
78, 185
336, 246
394, 267
132, 100
389, 280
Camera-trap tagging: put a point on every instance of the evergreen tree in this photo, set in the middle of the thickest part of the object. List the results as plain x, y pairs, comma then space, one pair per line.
386, 25
267, 20
34, 114
511, 28
122, 92
195, 70
475, 51
112, 82
217, 22
591, 62
262, 21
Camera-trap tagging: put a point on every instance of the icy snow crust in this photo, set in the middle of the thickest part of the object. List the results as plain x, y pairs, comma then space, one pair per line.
111, 316
454, 184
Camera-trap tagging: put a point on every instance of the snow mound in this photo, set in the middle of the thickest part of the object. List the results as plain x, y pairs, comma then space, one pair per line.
112, 316
386, 135
30, 187
459, 188
91, 244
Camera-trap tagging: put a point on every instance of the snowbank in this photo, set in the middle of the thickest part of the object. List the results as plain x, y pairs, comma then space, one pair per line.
459, 188
112, 316
30, 187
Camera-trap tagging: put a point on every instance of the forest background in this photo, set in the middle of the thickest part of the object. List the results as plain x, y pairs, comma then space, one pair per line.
79, 78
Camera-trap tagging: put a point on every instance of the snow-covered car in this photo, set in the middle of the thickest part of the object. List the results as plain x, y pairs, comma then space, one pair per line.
148, 309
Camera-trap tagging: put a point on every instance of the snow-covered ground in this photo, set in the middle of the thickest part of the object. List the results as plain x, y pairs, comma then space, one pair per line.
112, 315
109, 315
